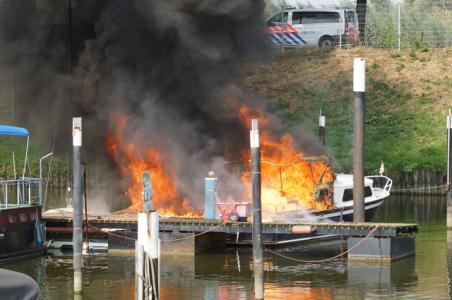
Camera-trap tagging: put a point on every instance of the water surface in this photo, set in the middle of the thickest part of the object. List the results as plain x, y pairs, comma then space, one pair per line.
229, 275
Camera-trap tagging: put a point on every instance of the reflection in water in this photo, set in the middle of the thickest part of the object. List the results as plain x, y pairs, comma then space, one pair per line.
386, 278
229, 275
449, 263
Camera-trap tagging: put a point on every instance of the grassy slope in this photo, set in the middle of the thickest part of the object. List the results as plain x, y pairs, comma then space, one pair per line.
406, 102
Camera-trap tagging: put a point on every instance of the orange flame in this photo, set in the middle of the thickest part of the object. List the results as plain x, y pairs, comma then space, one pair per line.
289, 181
131, 166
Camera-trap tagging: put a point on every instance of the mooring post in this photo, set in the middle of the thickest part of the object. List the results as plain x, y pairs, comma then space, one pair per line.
143, 240
359, 90
322, 128
449, 263
449, 170
139, 271
155, 254
146, 186
258, 266
210, 199
77, 204
148, 279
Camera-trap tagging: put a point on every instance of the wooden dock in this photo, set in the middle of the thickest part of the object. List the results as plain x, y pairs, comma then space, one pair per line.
192, 225
200, 235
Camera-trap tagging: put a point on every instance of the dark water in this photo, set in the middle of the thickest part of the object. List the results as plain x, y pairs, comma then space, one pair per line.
229, 275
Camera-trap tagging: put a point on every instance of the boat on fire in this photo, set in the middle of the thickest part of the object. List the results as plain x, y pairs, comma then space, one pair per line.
21, 229
329, 198
377, 188
332, 196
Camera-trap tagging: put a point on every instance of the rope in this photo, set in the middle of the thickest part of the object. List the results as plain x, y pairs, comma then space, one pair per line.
167, 241
112, 234
330, 258
134, 239
195, 235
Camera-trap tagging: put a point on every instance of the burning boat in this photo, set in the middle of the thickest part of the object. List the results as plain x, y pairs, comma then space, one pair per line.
330, 197
376, 189
295, 187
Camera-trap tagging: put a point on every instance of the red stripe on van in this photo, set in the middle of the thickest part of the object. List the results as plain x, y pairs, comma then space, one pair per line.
275, 28
292, 28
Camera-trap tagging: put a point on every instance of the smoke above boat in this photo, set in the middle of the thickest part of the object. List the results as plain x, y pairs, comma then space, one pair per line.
158, 85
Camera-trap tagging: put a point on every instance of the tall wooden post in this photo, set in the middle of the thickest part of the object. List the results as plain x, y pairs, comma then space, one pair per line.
322, 128
449, 170
258, 266
147, 247
359, 90
449, 262
77, 203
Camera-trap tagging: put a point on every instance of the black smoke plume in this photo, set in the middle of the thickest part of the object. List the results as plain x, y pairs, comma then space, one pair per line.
170, 66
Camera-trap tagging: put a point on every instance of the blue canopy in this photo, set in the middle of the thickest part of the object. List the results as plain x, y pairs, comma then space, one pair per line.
13, 130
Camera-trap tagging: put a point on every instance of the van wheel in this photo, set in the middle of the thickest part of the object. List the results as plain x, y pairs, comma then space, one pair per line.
326, 42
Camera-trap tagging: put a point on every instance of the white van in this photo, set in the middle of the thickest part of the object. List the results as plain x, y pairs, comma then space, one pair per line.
313, 27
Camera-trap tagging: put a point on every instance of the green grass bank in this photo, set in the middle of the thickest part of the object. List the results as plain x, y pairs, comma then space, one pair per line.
407, 98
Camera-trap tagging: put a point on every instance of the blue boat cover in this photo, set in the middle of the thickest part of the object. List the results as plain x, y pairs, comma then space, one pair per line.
13, 130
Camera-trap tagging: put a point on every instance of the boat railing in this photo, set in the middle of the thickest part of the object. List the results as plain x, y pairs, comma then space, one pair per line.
20, 192
387, 182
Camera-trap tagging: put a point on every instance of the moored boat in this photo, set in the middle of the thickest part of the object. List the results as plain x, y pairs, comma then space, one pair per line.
21, 230
377, 188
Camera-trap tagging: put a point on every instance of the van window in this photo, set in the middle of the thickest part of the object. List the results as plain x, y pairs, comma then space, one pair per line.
276, 20
313, 17
348, 193
350, 18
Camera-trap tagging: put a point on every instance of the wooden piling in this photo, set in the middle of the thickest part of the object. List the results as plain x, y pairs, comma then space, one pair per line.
148, 239
449, 170
449, 263
258, 266
77, 204
155, 254
139, 271
322, 128
359, 89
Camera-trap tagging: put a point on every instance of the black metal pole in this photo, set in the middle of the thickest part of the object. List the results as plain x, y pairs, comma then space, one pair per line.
322, 128
257, 212
69, 33
449, 263
449, 170
359, 86
77, 204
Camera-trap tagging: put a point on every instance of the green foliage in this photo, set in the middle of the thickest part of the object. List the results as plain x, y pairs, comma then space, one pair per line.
405, 139
16, 145
423, 24
413, 54
375, 65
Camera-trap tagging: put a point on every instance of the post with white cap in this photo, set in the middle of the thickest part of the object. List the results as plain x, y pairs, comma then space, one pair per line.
359, 91
77, 203
258, 266
449, 170
322, 128
155, 254
147, 247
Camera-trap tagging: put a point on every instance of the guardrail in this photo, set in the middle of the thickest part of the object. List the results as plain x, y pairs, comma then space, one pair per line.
24, 191
388, 181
